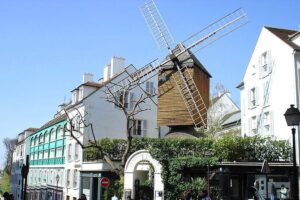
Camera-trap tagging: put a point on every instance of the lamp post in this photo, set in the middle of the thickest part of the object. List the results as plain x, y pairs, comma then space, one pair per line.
292, 117
57, 179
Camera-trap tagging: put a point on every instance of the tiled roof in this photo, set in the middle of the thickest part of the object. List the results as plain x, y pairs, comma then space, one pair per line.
53, 121
234, 117
91, 84
32, 129
187, 58
285, 35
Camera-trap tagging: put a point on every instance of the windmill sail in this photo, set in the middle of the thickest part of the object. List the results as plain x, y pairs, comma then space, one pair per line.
157, 26
216, 30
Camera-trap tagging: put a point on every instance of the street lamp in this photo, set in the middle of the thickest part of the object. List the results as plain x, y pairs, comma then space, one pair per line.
57, 179
292, 117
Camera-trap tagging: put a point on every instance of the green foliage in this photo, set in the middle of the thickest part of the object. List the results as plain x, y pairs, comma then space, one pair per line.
180, 156
5, 183
236, 148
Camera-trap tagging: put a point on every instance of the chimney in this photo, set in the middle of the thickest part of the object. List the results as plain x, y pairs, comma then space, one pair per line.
107, 72
116, 65
87, 77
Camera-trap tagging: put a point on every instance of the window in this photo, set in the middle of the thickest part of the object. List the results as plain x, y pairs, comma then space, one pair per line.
52, 135
76, 151
253, 125
131, 100
51, 177
35, 140
41, 155
74, 96
122, 99
60, 133
46, 137
253, 97
41, 138
267, 122
80, 94
21, 150
32, 156
69, 152
68, 177
138, 127
52, 152
150, 87
45, 177
253, 69
264, 63
45, 154
59, 152
75, 178
40, 176
32, 142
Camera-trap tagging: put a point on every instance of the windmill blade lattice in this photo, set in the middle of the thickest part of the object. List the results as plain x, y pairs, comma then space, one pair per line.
157, 26
137, 76
216, 30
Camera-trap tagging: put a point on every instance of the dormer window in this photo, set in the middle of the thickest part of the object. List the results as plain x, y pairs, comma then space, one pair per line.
75, 96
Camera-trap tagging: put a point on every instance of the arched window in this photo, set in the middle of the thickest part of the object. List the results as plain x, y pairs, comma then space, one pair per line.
52, 135
60, 132
41, 138
32, 142
35, 140
46, 137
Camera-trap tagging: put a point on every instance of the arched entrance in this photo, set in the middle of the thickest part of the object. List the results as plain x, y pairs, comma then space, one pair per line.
142, 176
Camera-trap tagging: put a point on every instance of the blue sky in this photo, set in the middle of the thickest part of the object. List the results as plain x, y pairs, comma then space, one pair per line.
46, 46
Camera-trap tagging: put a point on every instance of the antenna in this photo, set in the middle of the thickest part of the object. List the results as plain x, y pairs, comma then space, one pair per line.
157, 26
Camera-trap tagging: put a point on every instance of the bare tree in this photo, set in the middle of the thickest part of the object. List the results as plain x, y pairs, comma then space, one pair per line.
9, 145
216, 111
117, 95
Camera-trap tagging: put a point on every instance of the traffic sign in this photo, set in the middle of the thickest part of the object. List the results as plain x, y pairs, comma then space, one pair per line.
104, 182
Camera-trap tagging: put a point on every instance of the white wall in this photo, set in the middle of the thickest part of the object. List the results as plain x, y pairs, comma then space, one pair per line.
282, 88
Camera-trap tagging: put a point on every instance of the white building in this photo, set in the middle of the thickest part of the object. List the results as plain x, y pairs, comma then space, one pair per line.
271, 83
89, 99
223, 114
18, 160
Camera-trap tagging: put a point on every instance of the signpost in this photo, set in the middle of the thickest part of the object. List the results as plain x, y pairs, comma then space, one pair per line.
104, 182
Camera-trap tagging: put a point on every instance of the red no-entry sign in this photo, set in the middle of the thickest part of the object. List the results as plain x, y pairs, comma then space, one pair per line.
104, 182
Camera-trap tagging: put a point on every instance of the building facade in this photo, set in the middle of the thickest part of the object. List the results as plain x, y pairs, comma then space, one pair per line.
271, 83
46, 178
18, 160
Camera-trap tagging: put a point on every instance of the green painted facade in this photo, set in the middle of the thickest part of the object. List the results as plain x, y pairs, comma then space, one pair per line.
47, 146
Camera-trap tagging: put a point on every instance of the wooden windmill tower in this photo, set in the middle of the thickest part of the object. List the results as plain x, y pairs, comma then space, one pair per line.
183, 85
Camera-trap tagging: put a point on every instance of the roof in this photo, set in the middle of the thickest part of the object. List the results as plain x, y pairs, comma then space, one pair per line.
29, 129
231, 118
215, 99
53, 121
98, 87
91, 84
285, 35
186, 58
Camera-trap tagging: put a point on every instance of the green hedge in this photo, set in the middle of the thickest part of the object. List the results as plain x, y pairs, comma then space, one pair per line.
178, 155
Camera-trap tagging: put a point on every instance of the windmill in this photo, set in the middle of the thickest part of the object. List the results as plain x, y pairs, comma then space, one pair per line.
183, 88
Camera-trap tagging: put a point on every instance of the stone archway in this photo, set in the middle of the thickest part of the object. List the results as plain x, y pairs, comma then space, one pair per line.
142, 161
